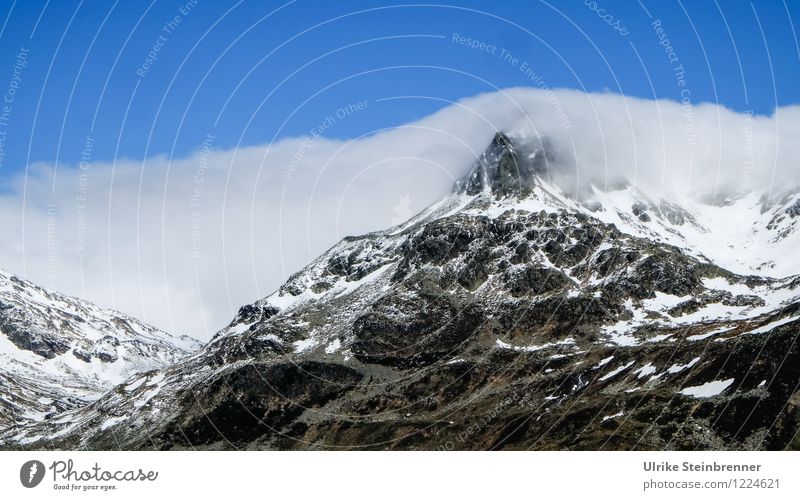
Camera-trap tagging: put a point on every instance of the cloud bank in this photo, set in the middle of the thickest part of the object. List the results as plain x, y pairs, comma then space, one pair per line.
182, 243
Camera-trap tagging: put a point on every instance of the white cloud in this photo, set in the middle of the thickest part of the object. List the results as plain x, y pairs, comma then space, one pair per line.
261, 213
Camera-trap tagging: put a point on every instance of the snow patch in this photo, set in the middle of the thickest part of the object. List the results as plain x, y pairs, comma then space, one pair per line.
771, 326
646, 370
616, 372
679, 368
707, 390
333, 346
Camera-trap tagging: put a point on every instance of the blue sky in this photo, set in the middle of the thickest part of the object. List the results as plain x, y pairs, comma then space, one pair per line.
252, 72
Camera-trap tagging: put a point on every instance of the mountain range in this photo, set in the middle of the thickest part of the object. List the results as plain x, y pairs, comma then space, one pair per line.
524, 310
59, 353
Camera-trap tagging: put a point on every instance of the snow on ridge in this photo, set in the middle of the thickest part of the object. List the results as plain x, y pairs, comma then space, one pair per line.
737, 236
771, 326
288, 302
534, 348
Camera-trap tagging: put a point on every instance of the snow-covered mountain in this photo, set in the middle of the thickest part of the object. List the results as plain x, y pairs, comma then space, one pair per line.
59, 352
511, 314
752, 233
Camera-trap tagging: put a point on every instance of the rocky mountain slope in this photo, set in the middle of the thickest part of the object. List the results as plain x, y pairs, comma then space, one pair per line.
58, 353
510, 315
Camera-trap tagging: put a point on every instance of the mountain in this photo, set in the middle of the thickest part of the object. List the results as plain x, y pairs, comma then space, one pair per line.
512, 314
58, 353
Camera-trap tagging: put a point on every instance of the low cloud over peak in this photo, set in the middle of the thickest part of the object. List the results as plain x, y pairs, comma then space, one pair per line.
182, 243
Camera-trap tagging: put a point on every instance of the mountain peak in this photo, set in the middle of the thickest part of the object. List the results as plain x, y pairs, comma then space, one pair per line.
508, 167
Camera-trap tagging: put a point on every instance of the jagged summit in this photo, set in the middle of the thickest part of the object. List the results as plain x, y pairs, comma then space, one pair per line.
525, 173
508, 167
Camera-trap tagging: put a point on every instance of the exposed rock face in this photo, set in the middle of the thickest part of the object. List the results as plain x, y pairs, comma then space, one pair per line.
508, 167
508, 316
